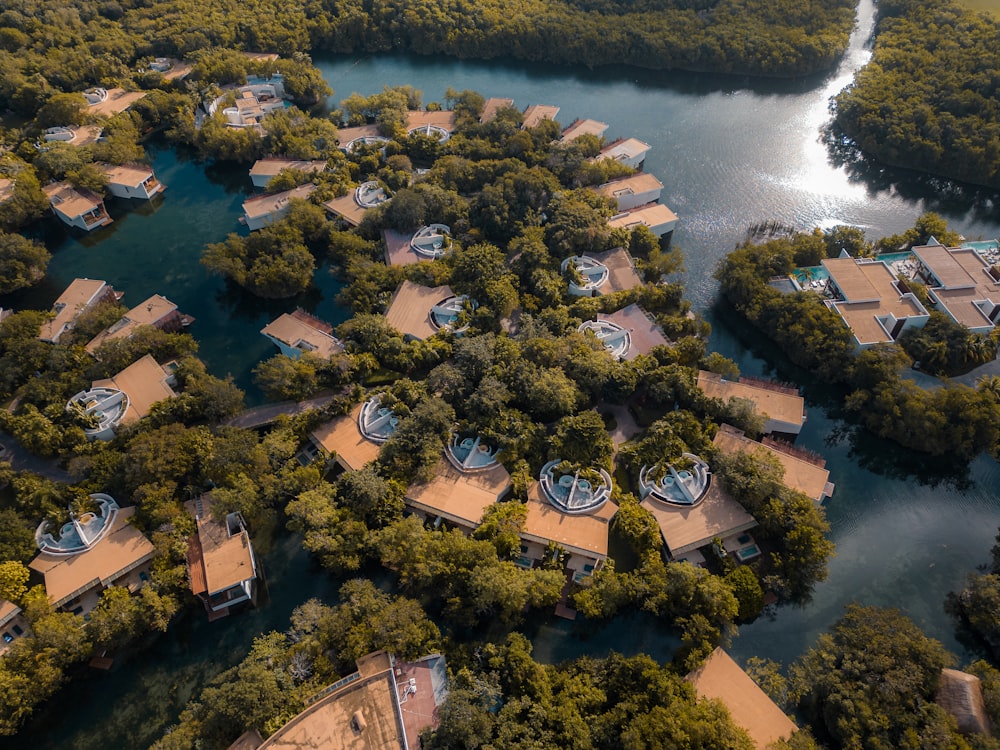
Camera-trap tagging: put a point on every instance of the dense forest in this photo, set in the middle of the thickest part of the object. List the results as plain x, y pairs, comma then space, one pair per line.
929, 99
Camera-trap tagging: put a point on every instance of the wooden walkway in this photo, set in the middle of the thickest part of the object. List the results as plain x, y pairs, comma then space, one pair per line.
265, 414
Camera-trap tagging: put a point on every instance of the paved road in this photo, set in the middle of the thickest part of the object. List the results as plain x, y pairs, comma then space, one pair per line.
22, 460
267, 413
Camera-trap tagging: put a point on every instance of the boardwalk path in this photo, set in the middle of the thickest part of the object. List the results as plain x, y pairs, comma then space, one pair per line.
267, 413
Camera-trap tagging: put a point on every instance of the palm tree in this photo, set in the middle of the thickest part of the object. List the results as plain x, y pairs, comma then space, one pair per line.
990, 384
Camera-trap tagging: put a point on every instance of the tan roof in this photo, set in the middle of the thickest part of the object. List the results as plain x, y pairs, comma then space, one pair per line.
492, 106
623, 148
804, 476
686, 528
644, 334
640, 182
774, 404
621, 270
945, 265
8, 610
961, 695
586, 532
118, 101
720, 677
584, 127
534, 114
459, 497
966, 281
294, 328
6, 189
443, 118
869, 293
851, 279
78, 296
131, 175
272, 166
348, 209
410, 309
71, 201
123, 548
219, 561
346, 135
397, 248
342, 437
149, 312
144, 382
264, 205
650, 215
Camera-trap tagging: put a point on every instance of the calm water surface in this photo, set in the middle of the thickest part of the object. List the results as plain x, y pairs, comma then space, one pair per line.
729, 152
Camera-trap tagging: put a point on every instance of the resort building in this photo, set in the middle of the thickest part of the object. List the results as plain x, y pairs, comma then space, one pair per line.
74, 135
492, 106
602, 273
534, 115
781, 406
363, 135
583, 127
123, 399
222, 568
77, 207
297, 332
626, 333
13, 625
572, 513
265, 170
632, 191
80, 296
353, 440
964, 285
431, 242
659, 219
253, 102
156, 311
692, 511
263, 210
804, 471
131, 181
108, 102
439, 124
385, 705
418, 312
470, 480
351, 208
93, 552
871, 301
629, 151
722, 679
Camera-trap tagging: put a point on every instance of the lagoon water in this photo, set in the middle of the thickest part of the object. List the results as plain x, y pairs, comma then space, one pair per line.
730, 152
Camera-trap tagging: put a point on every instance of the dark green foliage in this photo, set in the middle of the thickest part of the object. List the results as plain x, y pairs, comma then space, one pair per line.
944, 347
977, 606
22, 262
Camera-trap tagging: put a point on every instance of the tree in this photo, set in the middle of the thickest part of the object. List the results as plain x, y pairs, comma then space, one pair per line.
22, 262
746, 588
583, 440
377, 501
61, 109
502, 524
13, 580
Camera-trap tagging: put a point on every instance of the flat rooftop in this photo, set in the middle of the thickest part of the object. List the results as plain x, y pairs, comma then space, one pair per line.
444, 119
459, 497
869, 293
586, 533
809, 478
342, 438
346, 135
643, 331
649, 215
621, 270
492, 106
398, 251
118, 101
686, 528
272, 166
149, 312
71, 201
640, 182
624, 148
217, 560
301, 330
772, 403
265, 205
583, 127
535, 113
122, 549
965, 280
721, 678
410, 309
144, 382
77, 297
946, 265
126, 174
347, 208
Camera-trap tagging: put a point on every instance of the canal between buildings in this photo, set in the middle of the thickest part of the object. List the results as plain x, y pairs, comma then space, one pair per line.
730, 152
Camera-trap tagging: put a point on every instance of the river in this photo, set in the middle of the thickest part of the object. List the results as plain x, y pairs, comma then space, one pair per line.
730, 152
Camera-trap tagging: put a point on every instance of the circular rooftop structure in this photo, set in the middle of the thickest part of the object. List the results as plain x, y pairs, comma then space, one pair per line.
615, 339
431, 241
593, 275
95, 96
452, 313
572, 493
370, 194
685, 486
376, 422
436, 132
470, 454
365, 140
102, 409
79, 534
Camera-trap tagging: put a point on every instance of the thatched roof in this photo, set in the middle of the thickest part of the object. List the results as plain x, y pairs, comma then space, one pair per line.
961, 695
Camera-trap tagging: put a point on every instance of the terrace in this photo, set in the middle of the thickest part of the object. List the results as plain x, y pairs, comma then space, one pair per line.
79, 534
431, 241
686, 486
452, 314
581, 491
377, 423
100, 408
615, 339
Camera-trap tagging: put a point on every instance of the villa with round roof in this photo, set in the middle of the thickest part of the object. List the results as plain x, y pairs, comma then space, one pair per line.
376, 422
432, 241
686, 486
79, 534
102, 408
436, 132
447, 313
615, 339
593, 275
370, 194
470, 454
572, 493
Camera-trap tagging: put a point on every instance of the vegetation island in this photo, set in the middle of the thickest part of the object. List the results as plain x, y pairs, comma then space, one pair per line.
521, 385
